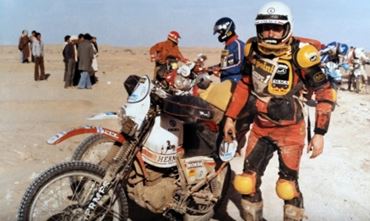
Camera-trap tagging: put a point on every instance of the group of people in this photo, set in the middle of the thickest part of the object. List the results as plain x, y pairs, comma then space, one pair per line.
273, 72
32, 50
79, 55
335, 55
80, 58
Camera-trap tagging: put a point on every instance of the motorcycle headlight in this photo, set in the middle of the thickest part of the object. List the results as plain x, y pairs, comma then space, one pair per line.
203, 81
184, 71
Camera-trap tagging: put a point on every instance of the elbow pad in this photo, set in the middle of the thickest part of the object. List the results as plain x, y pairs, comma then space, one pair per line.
315, 78
307, 59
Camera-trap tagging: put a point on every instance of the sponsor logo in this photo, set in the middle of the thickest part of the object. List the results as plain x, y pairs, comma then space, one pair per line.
95, 201
312, 56
281, 82
271, 10
206, 114
319, 76
166, 159
264, 67
282, 69
159, 158
194, 164
172, 123
110, 133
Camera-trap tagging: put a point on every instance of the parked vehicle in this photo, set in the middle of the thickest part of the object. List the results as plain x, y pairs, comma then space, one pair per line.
148, 160
331, 69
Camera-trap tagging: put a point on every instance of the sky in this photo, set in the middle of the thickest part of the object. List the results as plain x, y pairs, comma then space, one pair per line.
141, 23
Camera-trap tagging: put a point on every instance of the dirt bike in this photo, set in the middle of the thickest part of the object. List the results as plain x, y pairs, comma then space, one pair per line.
188, 79
150, 162
331, 70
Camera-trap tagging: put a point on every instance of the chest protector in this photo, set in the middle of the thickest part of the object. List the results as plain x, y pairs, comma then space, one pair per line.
276, 84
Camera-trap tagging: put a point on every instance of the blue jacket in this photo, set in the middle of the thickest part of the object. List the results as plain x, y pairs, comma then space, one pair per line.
231, 65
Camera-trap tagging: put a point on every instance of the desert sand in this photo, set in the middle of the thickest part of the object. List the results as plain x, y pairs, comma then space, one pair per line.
336, 185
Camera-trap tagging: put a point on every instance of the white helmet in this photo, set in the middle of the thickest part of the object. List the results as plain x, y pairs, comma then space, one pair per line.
274, 13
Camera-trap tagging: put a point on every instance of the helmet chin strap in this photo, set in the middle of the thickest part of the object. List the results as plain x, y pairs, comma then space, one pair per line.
279, 49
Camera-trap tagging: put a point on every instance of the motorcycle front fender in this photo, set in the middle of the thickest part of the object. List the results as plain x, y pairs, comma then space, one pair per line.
64, 135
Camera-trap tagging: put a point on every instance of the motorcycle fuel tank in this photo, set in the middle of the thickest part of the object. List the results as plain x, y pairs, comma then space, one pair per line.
165, 139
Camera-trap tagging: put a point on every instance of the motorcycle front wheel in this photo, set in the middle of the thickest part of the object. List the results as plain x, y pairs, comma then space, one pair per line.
52, 196
93, 149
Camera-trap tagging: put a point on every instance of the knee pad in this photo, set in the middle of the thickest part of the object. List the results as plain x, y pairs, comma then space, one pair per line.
245, 183
286, 189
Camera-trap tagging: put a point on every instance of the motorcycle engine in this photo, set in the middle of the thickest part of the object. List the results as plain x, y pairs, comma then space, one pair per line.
182, 83
155, 193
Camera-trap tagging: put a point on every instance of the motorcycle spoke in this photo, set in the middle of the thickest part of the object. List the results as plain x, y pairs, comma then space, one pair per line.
58, 200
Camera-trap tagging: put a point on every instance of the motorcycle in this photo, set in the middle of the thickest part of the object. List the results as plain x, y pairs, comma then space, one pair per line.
188, 79
331, 70
152, 160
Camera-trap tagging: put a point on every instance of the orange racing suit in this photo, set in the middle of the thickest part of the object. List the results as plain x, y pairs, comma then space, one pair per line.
277, 82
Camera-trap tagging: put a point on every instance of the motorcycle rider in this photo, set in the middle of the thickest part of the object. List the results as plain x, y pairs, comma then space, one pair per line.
162, 51
233, 54
333, 56
232, 60
278, 66
357, 56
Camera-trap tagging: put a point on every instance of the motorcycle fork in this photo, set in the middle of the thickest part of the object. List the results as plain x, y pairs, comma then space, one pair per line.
115, 173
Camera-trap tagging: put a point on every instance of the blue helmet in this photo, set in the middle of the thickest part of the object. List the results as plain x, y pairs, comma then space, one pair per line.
342, 48
338, 48
225, 28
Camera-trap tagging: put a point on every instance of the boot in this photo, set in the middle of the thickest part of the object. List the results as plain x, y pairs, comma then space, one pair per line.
252, 211
293, 213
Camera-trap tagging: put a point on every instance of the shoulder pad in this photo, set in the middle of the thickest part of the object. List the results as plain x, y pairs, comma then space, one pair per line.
248, 48
316, 43
307, 56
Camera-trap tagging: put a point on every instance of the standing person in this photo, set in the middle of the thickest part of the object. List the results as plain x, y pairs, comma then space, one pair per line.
38, 52
232, 60
160, 52
85, 57
77, 74
278, 66
351, 59
24, 47
233, 54
93, 77
66, 41
69, 55
32, 39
